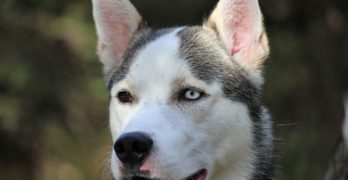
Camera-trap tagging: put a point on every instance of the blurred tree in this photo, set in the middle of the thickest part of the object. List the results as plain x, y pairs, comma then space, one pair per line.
53, 105
44, 72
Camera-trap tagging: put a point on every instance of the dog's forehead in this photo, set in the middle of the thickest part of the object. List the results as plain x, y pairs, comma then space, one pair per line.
167, 50
158, 60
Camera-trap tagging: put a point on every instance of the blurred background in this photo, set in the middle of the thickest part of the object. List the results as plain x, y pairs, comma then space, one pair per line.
54, 106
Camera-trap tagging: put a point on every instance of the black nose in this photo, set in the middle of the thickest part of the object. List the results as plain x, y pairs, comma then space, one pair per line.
133, 148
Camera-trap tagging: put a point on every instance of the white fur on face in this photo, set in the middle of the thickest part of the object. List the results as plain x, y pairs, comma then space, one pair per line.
212, 133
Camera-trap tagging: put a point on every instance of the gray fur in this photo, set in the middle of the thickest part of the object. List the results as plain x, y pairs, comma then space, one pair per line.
204, 56
201, 49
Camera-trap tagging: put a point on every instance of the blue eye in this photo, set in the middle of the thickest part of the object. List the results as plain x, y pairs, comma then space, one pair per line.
191, 94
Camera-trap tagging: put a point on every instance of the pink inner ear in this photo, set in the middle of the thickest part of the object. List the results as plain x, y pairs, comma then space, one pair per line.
243, 42
241, 23
237, 40
120, 39
116, 22
116, 30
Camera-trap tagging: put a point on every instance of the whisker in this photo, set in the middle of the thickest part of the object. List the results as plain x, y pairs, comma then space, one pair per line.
287, 124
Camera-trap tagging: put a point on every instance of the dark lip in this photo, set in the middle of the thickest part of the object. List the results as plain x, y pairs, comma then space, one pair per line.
139, 177
197, 174
194, 176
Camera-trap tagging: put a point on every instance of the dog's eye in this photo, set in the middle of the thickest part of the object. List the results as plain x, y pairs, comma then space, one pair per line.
124, 97
191, 94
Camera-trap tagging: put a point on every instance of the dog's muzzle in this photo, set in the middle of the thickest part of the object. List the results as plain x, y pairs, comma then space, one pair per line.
132, 149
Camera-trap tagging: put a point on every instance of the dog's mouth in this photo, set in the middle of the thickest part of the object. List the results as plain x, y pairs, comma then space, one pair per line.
199, 175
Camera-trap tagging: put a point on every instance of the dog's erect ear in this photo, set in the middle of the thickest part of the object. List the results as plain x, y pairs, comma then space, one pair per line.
240, 27
116, 21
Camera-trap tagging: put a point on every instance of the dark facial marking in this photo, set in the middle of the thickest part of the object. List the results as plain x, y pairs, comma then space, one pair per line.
205, 58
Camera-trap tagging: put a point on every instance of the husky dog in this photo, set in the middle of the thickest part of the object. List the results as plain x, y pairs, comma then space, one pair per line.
185, 101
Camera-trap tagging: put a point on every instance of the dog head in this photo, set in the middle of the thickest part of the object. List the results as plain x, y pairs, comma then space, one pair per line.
183, 100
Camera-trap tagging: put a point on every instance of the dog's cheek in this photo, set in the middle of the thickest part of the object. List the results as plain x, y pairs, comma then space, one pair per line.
114, 121
119, 117
231, 127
